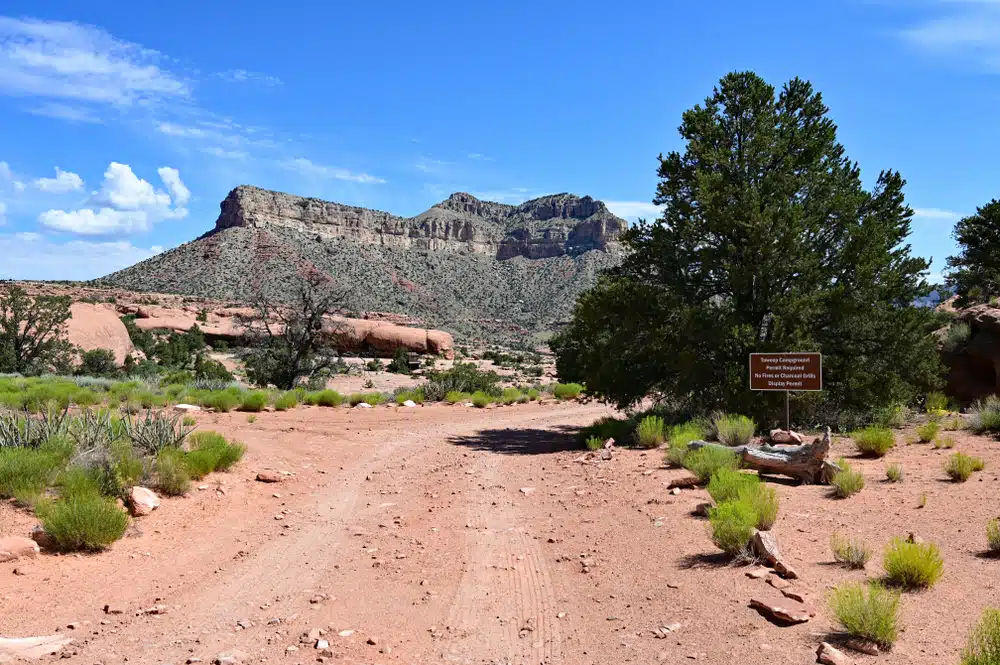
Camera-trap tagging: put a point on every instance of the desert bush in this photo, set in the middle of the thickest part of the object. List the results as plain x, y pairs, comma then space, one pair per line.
733, 430
400, 363
533, 394
868, 612
706, 461
847, 481
895, 416
223, 401
912, 565
594, 443
983, 645
567, 390
960, 466
121, 469
210, 451
985, 415
172, 475
649, 432
510, 395
732, 524
325, 398
254, 401
481, 400
286, 401
873, 441
894, 473
956, 336
26, 472
416, 395
993, 535
455, 396
621, 430
85, 521
679, 438
945, 442
850, 552
98, 362
731, 485
936, 402
368, 398
928, 431
156, 431
189, 421
464, 378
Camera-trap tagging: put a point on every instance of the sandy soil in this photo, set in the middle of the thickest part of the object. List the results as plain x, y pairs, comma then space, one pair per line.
452, 535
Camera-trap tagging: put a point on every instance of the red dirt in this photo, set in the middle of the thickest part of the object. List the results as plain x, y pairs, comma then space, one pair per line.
414, 523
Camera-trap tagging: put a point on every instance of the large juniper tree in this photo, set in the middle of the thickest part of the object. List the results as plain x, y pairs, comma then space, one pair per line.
975, 272
768, 241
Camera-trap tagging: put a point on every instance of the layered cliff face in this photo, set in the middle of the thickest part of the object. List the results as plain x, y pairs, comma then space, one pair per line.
540, 228
478, 269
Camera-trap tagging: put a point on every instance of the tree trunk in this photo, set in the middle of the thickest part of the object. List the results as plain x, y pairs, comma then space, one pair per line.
807, 462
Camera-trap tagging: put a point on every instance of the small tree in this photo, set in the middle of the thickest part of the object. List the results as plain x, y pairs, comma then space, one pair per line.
975, 272
289, 341
33, 332
98, 362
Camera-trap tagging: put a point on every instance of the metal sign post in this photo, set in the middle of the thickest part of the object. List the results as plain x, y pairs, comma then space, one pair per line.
787, 372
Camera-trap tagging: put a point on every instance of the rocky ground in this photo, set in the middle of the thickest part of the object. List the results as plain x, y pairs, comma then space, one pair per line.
454, 535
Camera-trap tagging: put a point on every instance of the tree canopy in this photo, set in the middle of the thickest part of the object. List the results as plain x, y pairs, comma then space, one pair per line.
975, 271
33, 332
768, 241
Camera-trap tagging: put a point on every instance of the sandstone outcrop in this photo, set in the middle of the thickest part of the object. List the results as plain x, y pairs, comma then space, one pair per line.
98, 326
974, 363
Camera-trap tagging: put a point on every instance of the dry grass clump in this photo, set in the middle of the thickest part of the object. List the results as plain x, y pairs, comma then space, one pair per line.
874, 441
868, 612
912, 565
847, 481
733, 430
850, 552
993, 535
649, 433
928, 431
983, 646
894, 473
960, 466
706, 461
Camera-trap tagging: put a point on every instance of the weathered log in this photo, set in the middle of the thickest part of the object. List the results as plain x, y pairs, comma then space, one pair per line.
807, 462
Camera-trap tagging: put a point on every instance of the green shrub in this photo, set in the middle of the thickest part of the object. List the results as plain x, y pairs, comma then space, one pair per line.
172, 475
83, 522
286, 401
945, 442
77, 481
415, 395
26, 472
211, 452
894, 473
455, 397
189, 421
960, 466
983, 645
223, 401
895, 416
368, 398
850, 552
957, 335
873, 441
733, 430
679, 438
928, 431
325, 398
732, 526
912, 565
649, 432
993, 535
936, 402
847, 481
731, 485
595, 443
605, 428
122, 469
567, 390
254, 402
85, 398
533, 394
510, 395
481, 400
706, 461
464, 378
985, 415
868, 612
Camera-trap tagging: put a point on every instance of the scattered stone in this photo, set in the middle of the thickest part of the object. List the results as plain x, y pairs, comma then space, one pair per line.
156, 609
409, 403
757, 573
701, 510
778, 583
786, 437
363, 405
914, 539
765, 545
675, 491
794, 595
785, 570
373, 641
13, 548
561, 615
346, 633
527, 490
861, 646
20, 571
662, 632
291, 648
828, 655
685, 482
192, 660
782, 611
605, 454
73, 625
43, 539
113, 609
142, 501
186, 408
269, 477
32, 647
322, 644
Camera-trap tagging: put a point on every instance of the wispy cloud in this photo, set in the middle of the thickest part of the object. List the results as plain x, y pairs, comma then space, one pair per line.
963, 30
33, 256
936, 214
634, 209
512, 195
65, 181
9, 179
65, 112
244, 76
310, 169
430, 165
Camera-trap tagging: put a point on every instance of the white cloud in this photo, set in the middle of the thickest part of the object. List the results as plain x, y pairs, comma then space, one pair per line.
33, 256
216, 151
7, 176
935, 213
634, 209
3, 213
310, 169
65, 112
962, 30
65, 181
62, 60
244, 76
125, 204
512, 196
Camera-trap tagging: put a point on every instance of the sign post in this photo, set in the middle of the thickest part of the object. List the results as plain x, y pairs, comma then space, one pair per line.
787, 372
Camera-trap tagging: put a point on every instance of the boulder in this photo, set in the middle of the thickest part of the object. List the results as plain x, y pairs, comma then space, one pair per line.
97, 326
186, 408
13, 548
782, 610
684, 483
786, 437
41, 536
829, 655
409, 403
31, 647
269, 477
142, 501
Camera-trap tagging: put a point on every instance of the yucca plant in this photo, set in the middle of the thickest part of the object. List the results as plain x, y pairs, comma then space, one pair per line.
156, 431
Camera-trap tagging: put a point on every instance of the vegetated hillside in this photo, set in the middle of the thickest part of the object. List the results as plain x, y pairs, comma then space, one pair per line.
481, 270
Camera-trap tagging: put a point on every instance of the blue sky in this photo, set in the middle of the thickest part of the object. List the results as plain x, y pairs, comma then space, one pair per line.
121, 129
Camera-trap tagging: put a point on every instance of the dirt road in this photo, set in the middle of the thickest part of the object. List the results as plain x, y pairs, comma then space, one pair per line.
453, 535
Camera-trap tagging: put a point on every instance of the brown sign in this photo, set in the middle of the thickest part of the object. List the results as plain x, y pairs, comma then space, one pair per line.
786, 371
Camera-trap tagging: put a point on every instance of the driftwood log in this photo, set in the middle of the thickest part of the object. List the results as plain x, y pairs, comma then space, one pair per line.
807, 462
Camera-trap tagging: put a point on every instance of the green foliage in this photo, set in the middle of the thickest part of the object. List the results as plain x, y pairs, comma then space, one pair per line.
594, 443
679, 439
121, 469
960, 466
481, 400
733, 430
83, 521
993, 535
850, 552
255, 401
222, 401
206, 369
325, 398
650, 432
895, 416
141, 339
728, 485
26, 472
510, 396
974, 273
368, 398
286, 401
456, 396
211, 452
463, 378
415, 395
609, 427
956, 336
912, 565
706, 461
894, 473
983, 646
172, 475
768, 241
945, 442
533, 394
868, 612
567, 390
874, 441
936, 402
732, 525
155, 431
33, 332
985, 415
928, 431
400, 362
98, 362
847, 481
